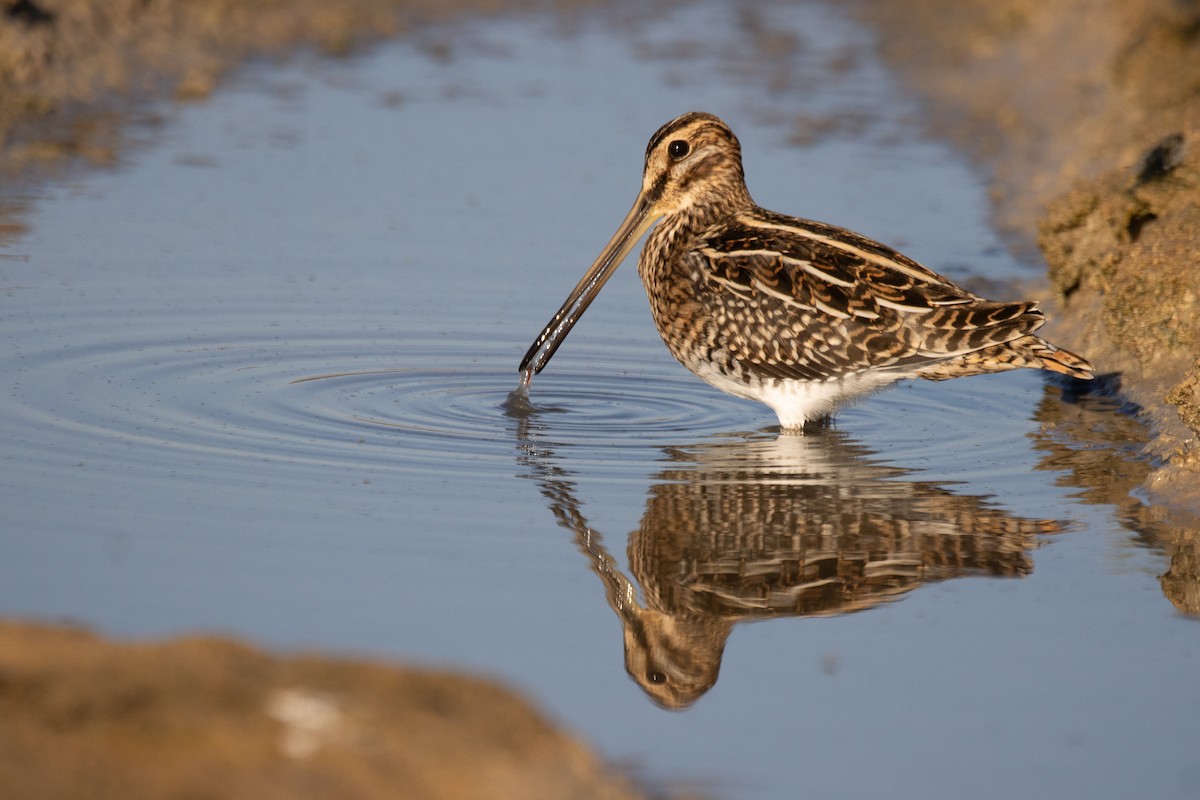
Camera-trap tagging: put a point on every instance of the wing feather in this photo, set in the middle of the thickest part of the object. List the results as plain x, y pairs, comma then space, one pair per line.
840, 303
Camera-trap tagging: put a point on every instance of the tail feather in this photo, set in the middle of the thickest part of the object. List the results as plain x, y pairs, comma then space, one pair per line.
1065, 362
1027, 352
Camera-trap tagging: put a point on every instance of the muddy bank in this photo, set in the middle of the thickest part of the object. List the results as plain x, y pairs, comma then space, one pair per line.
75, 73
82, 716
1087, 117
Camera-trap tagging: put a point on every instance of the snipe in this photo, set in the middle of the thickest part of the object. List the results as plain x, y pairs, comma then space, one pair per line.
797, 314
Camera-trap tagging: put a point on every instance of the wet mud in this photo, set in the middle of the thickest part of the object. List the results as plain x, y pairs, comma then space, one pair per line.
1086, 117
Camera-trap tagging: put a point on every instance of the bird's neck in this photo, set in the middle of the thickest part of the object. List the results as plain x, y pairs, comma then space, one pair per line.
690, 222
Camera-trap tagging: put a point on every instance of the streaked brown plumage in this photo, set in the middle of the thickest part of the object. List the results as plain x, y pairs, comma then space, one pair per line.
797, 314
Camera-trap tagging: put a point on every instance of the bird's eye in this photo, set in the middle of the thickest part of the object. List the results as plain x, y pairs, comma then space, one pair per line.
678, 149
658, 677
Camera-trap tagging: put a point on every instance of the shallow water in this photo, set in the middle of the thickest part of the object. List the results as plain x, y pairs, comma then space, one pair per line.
256, 382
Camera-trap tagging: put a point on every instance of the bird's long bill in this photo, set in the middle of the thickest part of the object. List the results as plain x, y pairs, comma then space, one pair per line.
639, 219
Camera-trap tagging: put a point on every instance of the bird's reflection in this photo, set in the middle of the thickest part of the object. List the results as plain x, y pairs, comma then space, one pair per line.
767, 527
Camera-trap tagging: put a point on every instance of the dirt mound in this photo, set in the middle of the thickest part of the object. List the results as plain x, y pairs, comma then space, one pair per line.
81, 716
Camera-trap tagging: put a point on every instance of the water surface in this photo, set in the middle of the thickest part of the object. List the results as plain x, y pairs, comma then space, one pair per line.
255, 382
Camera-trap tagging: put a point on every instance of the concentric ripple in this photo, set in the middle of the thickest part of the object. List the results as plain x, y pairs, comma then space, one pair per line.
453, 406
223, 402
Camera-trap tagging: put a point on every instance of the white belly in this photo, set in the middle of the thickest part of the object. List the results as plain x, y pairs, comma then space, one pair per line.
797, 402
